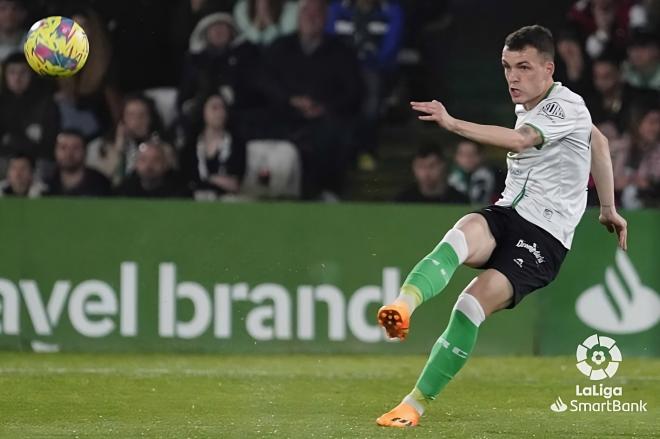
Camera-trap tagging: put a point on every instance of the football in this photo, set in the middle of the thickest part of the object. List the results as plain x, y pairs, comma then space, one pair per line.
56, 46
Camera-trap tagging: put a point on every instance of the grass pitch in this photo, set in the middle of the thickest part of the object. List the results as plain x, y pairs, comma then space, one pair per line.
301, 396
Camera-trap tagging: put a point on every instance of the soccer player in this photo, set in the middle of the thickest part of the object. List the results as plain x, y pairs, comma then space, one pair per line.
521, 241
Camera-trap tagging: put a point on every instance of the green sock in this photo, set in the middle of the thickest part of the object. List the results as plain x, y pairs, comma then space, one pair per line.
448, 355
432, 274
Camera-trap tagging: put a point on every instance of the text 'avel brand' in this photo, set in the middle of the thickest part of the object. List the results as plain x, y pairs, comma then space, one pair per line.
95, 310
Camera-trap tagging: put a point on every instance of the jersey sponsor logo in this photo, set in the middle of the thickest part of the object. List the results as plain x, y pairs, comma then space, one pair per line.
532, 249
553, 109
519, 262
622, 304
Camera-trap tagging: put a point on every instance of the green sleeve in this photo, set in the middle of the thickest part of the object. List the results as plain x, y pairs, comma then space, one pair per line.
538, 130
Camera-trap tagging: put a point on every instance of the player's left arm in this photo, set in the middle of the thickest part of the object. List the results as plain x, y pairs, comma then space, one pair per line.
512, 140
601, 170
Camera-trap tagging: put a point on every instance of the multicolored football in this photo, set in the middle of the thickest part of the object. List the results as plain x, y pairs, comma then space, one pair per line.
56, 46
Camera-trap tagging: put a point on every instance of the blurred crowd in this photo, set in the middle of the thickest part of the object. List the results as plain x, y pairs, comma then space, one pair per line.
608, 53
275, 99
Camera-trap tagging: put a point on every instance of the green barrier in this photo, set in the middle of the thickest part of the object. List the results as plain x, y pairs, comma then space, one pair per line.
604, 289
128, 276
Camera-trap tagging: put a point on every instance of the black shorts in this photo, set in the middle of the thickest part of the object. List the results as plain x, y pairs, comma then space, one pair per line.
526, 254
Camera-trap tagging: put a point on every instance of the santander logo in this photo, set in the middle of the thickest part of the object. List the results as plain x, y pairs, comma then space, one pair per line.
623, 304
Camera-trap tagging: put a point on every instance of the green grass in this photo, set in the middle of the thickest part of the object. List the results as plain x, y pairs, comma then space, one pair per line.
299, 396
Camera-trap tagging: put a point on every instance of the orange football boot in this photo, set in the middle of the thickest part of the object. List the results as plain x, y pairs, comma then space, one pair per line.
395, 318
401, 416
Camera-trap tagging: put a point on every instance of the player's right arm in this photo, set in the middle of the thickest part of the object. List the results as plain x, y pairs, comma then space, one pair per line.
601, 170
512, 140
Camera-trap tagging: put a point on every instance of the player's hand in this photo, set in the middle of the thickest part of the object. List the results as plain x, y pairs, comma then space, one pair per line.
434, 111
615, 223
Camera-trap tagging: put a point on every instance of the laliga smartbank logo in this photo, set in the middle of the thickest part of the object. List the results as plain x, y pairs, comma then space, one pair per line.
598, 358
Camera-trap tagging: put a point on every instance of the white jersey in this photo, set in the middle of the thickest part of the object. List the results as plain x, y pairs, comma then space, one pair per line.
547, 185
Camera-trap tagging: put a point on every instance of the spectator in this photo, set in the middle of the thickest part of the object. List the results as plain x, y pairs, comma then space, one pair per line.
642, 165
72, 178
431, 186
603, 24
213, 157
642, 68
184, 16
375, 29
12, 30
218, 61
75, 114
21, 181
613, 99
94, 89
312, 83
572, 67
28, 115
116, 158
262, 21
470, 176
153, 176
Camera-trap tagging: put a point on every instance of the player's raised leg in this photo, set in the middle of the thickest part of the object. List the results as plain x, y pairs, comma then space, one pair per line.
469, 242
487, 293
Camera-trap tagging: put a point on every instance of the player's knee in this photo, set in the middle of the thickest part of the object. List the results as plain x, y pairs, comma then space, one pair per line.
456, 239
478, 238
491, 290
470, 306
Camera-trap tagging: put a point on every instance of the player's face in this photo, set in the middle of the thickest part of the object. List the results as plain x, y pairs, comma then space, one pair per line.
527, 73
